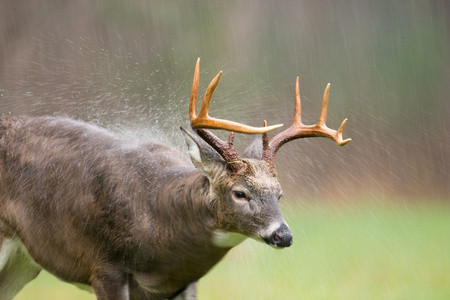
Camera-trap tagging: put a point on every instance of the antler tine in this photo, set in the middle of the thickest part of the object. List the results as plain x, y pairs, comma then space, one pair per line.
194, 92
203, 120
299, 130
336, 136
203, 114
324, 107
340, 131
298, 106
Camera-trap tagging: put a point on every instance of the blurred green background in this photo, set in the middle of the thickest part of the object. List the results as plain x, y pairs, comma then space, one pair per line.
370, 220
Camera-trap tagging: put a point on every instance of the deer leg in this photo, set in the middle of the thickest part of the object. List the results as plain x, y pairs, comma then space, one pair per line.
17, 268
138, 293
110, 284
190, 293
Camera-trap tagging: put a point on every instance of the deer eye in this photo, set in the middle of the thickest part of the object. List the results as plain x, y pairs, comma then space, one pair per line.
240, 195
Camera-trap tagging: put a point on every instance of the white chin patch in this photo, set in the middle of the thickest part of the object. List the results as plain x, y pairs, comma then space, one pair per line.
226, 239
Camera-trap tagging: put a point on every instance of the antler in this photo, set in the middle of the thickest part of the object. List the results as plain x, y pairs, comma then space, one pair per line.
203, 120
299, 130
225, 149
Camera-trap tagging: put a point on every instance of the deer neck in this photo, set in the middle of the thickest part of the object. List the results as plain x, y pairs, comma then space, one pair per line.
196, 207
184, 204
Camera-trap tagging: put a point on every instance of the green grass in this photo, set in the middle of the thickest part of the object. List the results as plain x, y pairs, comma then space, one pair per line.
357, 250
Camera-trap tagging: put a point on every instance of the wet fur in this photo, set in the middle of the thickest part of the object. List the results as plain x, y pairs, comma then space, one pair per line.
130, 219
80, 183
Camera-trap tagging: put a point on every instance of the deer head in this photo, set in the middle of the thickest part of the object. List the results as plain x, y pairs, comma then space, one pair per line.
244, 191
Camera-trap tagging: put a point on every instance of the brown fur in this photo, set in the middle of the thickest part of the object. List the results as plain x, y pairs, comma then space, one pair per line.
119, 215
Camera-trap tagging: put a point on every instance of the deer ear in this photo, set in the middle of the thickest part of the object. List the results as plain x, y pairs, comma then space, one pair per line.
254, 149
203, 156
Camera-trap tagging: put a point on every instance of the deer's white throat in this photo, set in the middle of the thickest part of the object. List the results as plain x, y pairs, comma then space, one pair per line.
226, 239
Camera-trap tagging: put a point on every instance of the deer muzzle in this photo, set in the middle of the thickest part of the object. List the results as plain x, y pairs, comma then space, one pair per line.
280, 238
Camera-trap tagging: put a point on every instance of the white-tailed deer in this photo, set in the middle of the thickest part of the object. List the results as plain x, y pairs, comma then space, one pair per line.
135, 220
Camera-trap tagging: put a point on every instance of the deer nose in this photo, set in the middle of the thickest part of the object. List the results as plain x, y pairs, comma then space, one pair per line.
282, 237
